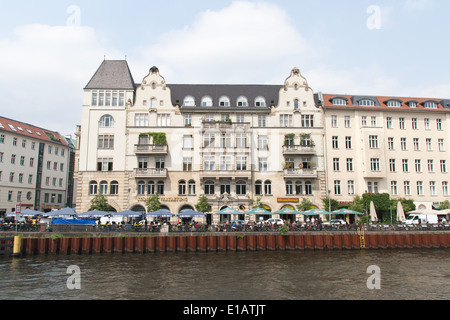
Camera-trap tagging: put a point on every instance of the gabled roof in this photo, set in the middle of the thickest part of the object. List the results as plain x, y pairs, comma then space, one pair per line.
233, 92
28, 130
113, 75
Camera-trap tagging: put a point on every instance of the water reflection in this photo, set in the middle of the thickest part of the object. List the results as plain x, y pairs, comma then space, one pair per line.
304, 275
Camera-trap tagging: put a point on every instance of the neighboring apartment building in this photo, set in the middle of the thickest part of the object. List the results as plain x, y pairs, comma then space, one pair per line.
34, 167
232, 143
237, 144
394, 145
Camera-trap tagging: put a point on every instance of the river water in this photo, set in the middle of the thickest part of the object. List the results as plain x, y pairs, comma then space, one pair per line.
282, 275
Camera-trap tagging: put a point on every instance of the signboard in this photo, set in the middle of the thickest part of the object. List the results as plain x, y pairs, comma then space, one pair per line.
18, 209
288, 200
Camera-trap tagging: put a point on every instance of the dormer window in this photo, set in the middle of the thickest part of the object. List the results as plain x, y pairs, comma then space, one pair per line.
207, 102
189, 101
242, 102
394, 104
260, 102
412, 104
224, 102
339, 102
430, 105
366, 103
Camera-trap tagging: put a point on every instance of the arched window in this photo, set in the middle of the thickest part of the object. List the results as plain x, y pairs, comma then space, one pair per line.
242, 102
151, 187
258, 187
93, 188
153, 103
241, 188
225, 186
106, 121
308, 188
141, 188
224, 102
207, 102
182, 187
191, 187
289, 188
114, 188
260, 102
366, 103
103, 187
298, 187
189, 101
160, 187
268, 187
209, 187
296, 104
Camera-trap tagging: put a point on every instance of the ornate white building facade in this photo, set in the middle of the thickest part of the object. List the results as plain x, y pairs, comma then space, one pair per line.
237, 144
232, 143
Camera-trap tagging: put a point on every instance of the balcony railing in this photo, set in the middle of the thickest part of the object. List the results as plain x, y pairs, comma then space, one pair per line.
235, 174
300, 173
150, 173
150, 149
297, 149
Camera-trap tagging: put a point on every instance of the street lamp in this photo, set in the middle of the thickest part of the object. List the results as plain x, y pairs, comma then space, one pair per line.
329, 205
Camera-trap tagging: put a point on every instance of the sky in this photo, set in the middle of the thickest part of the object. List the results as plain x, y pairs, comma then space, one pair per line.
50, 49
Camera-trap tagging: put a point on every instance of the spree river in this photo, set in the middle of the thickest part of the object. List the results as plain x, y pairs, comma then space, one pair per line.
281, 275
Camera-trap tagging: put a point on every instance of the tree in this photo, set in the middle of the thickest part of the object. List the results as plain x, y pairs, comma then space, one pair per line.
444, 205
255, 203
305, 205
99, 202
333, 202
203, 205
358, 205
153, 203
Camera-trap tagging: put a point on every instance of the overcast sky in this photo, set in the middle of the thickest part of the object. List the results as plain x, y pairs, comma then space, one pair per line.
49, 50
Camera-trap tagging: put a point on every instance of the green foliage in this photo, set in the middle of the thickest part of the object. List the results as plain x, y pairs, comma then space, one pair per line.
407, 204
381, 201
255, 203
333, 202
153, 203
99, 202
203, 205
289, 136
306, 204
358, 204
158, 138
284, 230
444, 205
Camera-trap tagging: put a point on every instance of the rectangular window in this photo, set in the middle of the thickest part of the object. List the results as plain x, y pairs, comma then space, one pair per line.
351, 187
403, 143
105, 164
375, 164
405, 165
348, 142
419, 188
426, 123
105, 142
414, 123
363, 121
416, 144
307, 121
389, 122
187, 164
401, 123
428, 143
432, 188
225, 163
394, 188
430, 166
262, 142
241, 140
334, 121
373, 142
188, 119
391, 143
141, 120
261, 121
336, 164
188, 142
163, 120
347, 122
392, 165
418, 165
441, 144
337, 187
241, 163
439, 124
407, 188
208, 140
262, 164
335, 142
209, 163
445, 188
443, 165
285, 120
350, 164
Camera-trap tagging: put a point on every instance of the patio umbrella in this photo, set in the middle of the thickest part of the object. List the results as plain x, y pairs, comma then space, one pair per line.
258, 211
346, 211
314, 212
190, 214
373, 212
400, 212
25, 213
128, 214
228, 210
160, 213
65, 212
93, 214
288, 210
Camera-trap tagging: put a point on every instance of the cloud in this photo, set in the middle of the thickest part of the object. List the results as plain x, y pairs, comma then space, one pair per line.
414, 5
44, 69
246, 41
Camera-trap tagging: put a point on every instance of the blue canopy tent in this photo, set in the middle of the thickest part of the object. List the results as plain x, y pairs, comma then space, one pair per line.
93, 214
191, 214
164, 213
127, 214
74, 222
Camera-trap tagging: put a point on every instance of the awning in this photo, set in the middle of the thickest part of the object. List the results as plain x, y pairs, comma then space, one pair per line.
190, 214
259, 211
127, 213
160, 213
228, 210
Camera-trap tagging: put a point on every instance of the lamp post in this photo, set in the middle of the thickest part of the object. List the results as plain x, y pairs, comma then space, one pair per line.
329, 205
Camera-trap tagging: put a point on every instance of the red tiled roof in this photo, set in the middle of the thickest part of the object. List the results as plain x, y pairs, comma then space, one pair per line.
382, 102
31, 131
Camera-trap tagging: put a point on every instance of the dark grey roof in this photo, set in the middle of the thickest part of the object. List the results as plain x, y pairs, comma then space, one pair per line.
356, 99
233, 92
113, 75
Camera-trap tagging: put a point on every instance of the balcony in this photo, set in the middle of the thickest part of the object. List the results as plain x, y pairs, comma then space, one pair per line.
230, 174
221, 125
299, 150
149, 149
150, 173
296, 173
